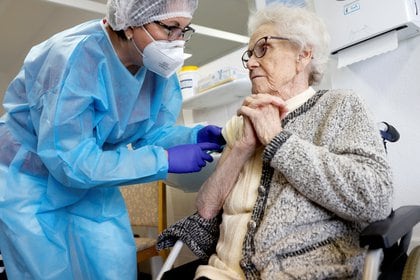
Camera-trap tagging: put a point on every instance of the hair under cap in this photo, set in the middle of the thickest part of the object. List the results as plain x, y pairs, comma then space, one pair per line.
122, 14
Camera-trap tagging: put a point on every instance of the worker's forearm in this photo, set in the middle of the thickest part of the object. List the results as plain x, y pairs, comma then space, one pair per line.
217, 187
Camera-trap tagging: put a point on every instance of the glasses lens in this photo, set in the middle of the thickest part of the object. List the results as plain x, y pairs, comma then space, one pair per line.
175, 33
187, 33
260, 47
245, 58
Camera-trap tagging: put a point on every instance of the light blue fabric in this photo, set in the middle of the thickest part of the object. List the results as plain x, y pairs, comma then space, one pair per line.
70, 113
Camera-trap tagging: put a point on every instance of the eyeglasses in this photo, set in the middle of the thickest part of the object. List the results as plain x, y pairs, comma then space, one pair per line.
176, 32
259, 50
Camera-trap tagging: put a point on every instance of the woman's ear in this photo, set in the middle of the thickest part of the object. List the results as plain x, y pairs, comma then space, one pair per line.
305, 54
304, 58
129, 33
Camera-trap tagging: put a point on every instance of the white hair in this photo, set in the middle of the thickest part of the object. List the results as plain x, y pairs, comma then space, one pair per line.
302, 27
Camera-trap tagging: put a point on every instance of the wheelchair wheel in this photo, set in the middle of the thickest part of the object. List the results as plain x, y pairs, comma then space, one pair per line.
412, 266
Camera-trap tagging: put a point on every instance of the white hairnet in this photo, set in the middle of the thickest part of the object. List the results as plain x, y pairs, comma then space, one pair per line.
122, 14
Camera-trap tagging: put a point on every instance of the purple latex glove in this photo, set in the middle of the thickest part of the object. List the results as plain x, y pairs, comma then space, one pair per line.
190, 157
212, 134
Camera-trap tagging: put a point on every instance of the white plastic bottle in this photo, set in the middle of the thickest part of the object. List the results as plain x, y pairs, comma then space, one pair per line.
188, 79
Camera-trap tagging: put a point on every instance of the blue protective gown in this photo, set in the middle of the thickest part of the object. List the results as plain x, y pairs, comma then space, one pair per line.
70, 114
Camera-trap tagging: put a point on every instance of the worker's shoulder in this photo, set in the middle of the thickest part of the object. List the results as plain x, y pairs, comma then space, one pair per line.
89, 32
63, 45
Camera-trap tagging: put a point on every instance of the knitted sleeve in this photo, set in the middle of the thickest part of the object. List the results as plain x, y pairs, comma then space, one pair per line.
341, 164
200, 235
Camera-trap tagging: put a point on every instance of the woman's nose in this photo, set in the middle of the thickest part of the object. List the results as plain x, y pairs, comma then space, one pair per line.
252, 62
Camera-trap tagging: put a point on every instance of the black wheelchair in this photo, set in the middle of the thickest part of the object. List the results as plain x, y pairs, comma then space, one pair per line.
388, 240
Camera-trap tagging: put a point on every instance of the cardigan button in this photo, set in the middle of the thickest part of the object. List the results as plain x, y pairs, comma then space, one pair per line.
252, 224
243, 263
261, 190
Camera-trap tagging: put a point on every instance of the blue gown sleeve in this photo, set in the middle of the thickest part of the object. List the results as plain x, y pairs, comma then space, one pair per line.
165, 133
68, 134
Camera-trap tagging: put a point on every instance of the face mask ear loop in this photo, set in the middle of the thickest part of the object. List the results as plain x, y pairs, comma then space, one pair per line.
148, 34
137, 48
131, 38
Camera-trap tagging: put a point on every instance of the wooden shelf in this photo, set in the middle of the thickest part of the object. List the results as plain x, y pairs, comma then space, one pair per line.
220, 95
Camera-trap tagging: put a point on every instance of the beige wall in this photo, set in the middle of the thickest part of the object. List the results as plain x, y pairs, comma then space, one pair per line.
179, 205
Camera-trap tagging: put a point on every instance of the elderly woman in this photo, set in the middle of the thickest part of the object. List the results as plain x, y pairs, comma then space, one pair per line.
80, 99
303, 171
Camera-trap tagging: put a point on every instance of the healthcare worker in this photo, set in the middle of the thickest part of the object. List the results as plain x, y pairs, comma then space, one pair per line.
79, 100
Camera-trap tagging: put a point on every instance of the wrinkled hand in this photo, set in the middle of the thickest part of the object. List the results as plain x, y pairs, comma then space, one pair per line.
265, 112
212, 134
190, 157
249, 141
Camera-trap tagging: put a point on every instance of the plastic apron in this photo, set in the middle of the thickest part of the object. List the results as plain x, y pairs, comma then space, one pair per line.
70, 113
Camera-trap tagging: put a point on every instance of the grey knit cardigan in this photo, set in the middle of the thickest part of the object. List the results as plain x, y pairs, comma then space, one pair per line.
325, 177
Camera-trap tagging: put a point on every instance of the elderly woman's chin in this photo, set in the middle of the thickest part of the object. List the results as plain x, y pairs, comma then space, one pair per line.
258, 87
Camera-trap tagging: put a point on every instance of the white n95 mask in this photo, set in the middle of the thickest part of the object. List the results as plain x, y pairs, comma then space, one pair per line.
164, 57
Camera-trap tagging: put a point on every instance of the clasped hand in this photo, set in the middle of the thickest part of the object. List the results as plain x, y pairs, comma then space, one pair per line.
265, 113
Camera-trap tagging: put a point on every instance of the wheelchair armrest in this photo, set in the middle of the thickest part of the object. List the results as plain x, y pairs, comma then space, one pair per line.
385, 233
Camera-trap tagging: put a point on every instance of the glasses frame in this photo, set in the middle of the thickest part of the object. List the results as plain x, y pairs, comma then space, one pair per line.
176, 32
249, 53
